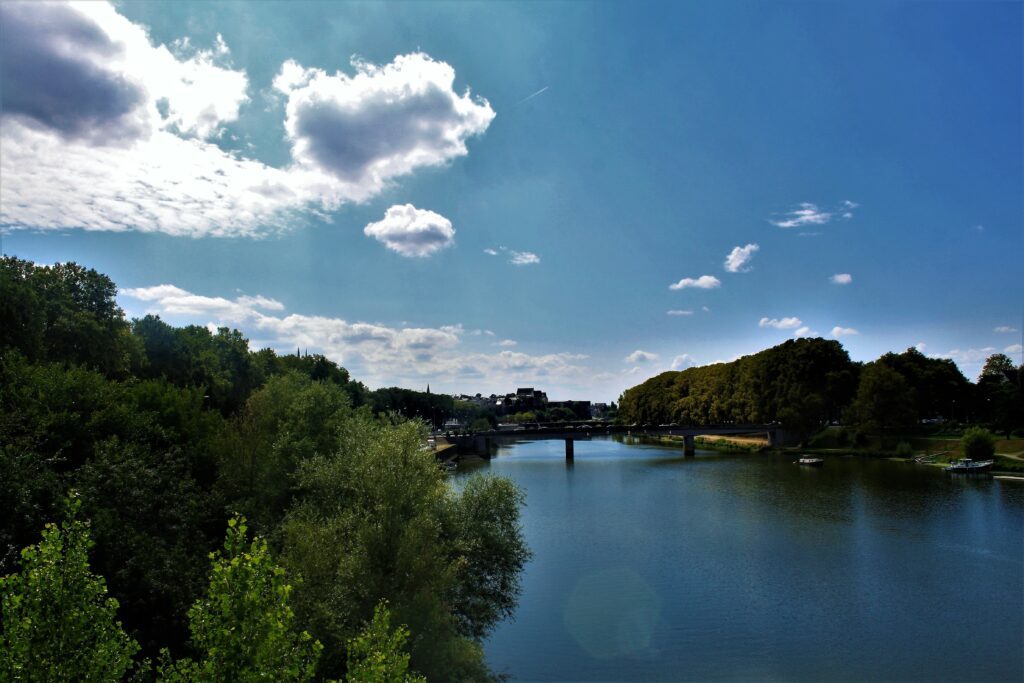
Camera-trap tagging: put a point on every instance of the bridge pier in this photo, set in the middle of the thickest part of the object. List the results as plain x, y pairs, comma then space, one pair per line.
569, 455
689, 449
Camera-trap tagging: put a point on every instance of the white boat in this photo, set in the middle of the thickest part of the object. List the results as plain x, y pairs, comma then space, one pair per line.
811, 462
968, 465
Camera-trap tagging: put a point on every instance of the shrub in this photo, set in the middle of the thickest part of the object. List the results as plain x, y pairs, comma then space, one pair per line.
904, 450
978, 444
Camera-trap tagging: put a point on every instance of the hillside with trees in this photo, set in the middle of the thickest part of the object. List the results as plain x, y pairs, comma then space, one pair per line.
806, 384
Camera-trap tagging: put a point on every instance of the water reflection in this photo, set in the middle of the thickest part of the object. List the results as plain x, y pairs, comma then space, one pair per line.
652, 566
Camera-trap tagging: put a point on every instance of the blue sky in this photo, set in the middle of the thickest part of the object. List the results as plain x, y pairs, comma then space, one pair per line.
337, 176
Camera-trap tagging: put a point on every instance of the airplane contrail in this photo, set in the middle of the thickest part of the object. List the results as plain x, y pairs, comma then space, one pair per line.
530, 97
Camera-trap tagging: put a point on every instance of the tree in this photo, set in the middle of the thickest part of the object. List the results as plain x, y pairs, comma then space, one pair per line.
978, 444
883, 399
377, 654
376, 520
244, 627
58, 623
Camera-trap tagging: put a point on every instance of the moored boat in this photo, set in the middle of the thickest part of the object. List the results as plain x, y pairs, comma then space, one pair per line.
811, 462
968, 465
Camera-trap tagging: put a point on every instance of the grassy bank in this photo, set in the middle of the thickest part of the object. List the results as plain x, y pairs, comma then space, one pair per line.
938, 448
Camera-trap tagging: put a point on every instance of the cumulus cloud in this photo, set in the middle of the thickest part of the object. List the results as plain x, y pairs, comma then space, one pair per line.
412, 232
970, 356
380, 123
808, 213
491, 252
506, 343
677, 312
523, 258
920, 346
639, 356
739, 257
683, 361
703, 282
841, 279
86, 73
804, 331
1004, 329
1013, 348
843, 331
380, 354
104, 130
781, 323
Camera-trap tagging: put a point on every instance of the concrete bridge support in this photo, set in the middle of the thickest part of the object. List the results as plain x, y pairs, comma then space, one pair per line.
688, 446
569, 455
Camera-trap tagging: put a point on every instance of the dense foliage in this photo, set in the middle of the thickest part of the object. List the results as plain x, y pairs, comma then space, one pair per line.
805, 383
167, 432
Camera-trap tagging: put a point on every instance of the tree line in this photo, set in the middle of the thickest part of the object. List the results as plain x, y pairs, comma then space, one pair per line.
161, 435
805, 384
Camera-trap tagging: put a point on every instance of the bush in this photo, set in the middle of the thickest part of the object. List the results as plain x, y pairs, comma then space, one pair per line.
904, 450
978, 444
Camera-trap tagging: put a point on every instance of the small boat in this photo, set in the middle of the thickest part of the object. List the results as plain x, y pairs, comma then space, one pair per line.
811, 462
968, 465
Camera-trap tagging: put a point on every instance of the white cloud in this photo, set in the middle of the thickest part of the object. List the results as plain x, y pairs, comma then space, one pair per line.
380, 123
1005, 328
523, 258
703, 282
678, 312
843, 331
491, 252
807, 213
376, 353
968, 356
804, 331
841, 279
506, 343
683, 361
739, 257
920, 346
781, 323
705, 309
639, 356
103, 130
412, 232
1013, 348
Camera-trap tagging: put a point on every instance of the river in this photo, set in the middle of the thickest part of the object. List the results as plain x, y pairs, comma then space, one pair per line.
651, 566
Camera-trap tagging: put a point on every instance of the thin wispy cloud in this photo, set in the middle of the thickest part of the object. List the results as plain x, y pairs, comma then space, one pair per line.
739, 257
530, 97
781, 323
702, 282
841, 279
838, 331
678, 312
1004, 329
516, 258
523, 258
1013, 348
808, 214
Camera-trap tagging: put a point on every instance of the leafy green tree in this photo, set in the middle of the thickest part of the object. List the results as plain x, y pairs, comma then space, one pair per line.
378, 519
244, 627
489, 552
883, 400
978, 444
377, 654
58, 622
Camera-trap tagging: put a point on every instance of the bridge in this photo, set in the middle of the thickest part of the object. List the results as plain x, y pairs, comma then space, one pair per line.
480, 442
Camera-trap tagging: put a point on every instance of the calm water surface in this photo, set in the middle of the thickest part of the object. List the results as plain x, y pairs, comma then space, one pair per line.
649, 566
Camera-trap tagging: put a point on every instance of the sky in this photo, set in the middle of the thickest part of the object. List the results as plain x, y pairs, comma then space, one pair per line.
570, 196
